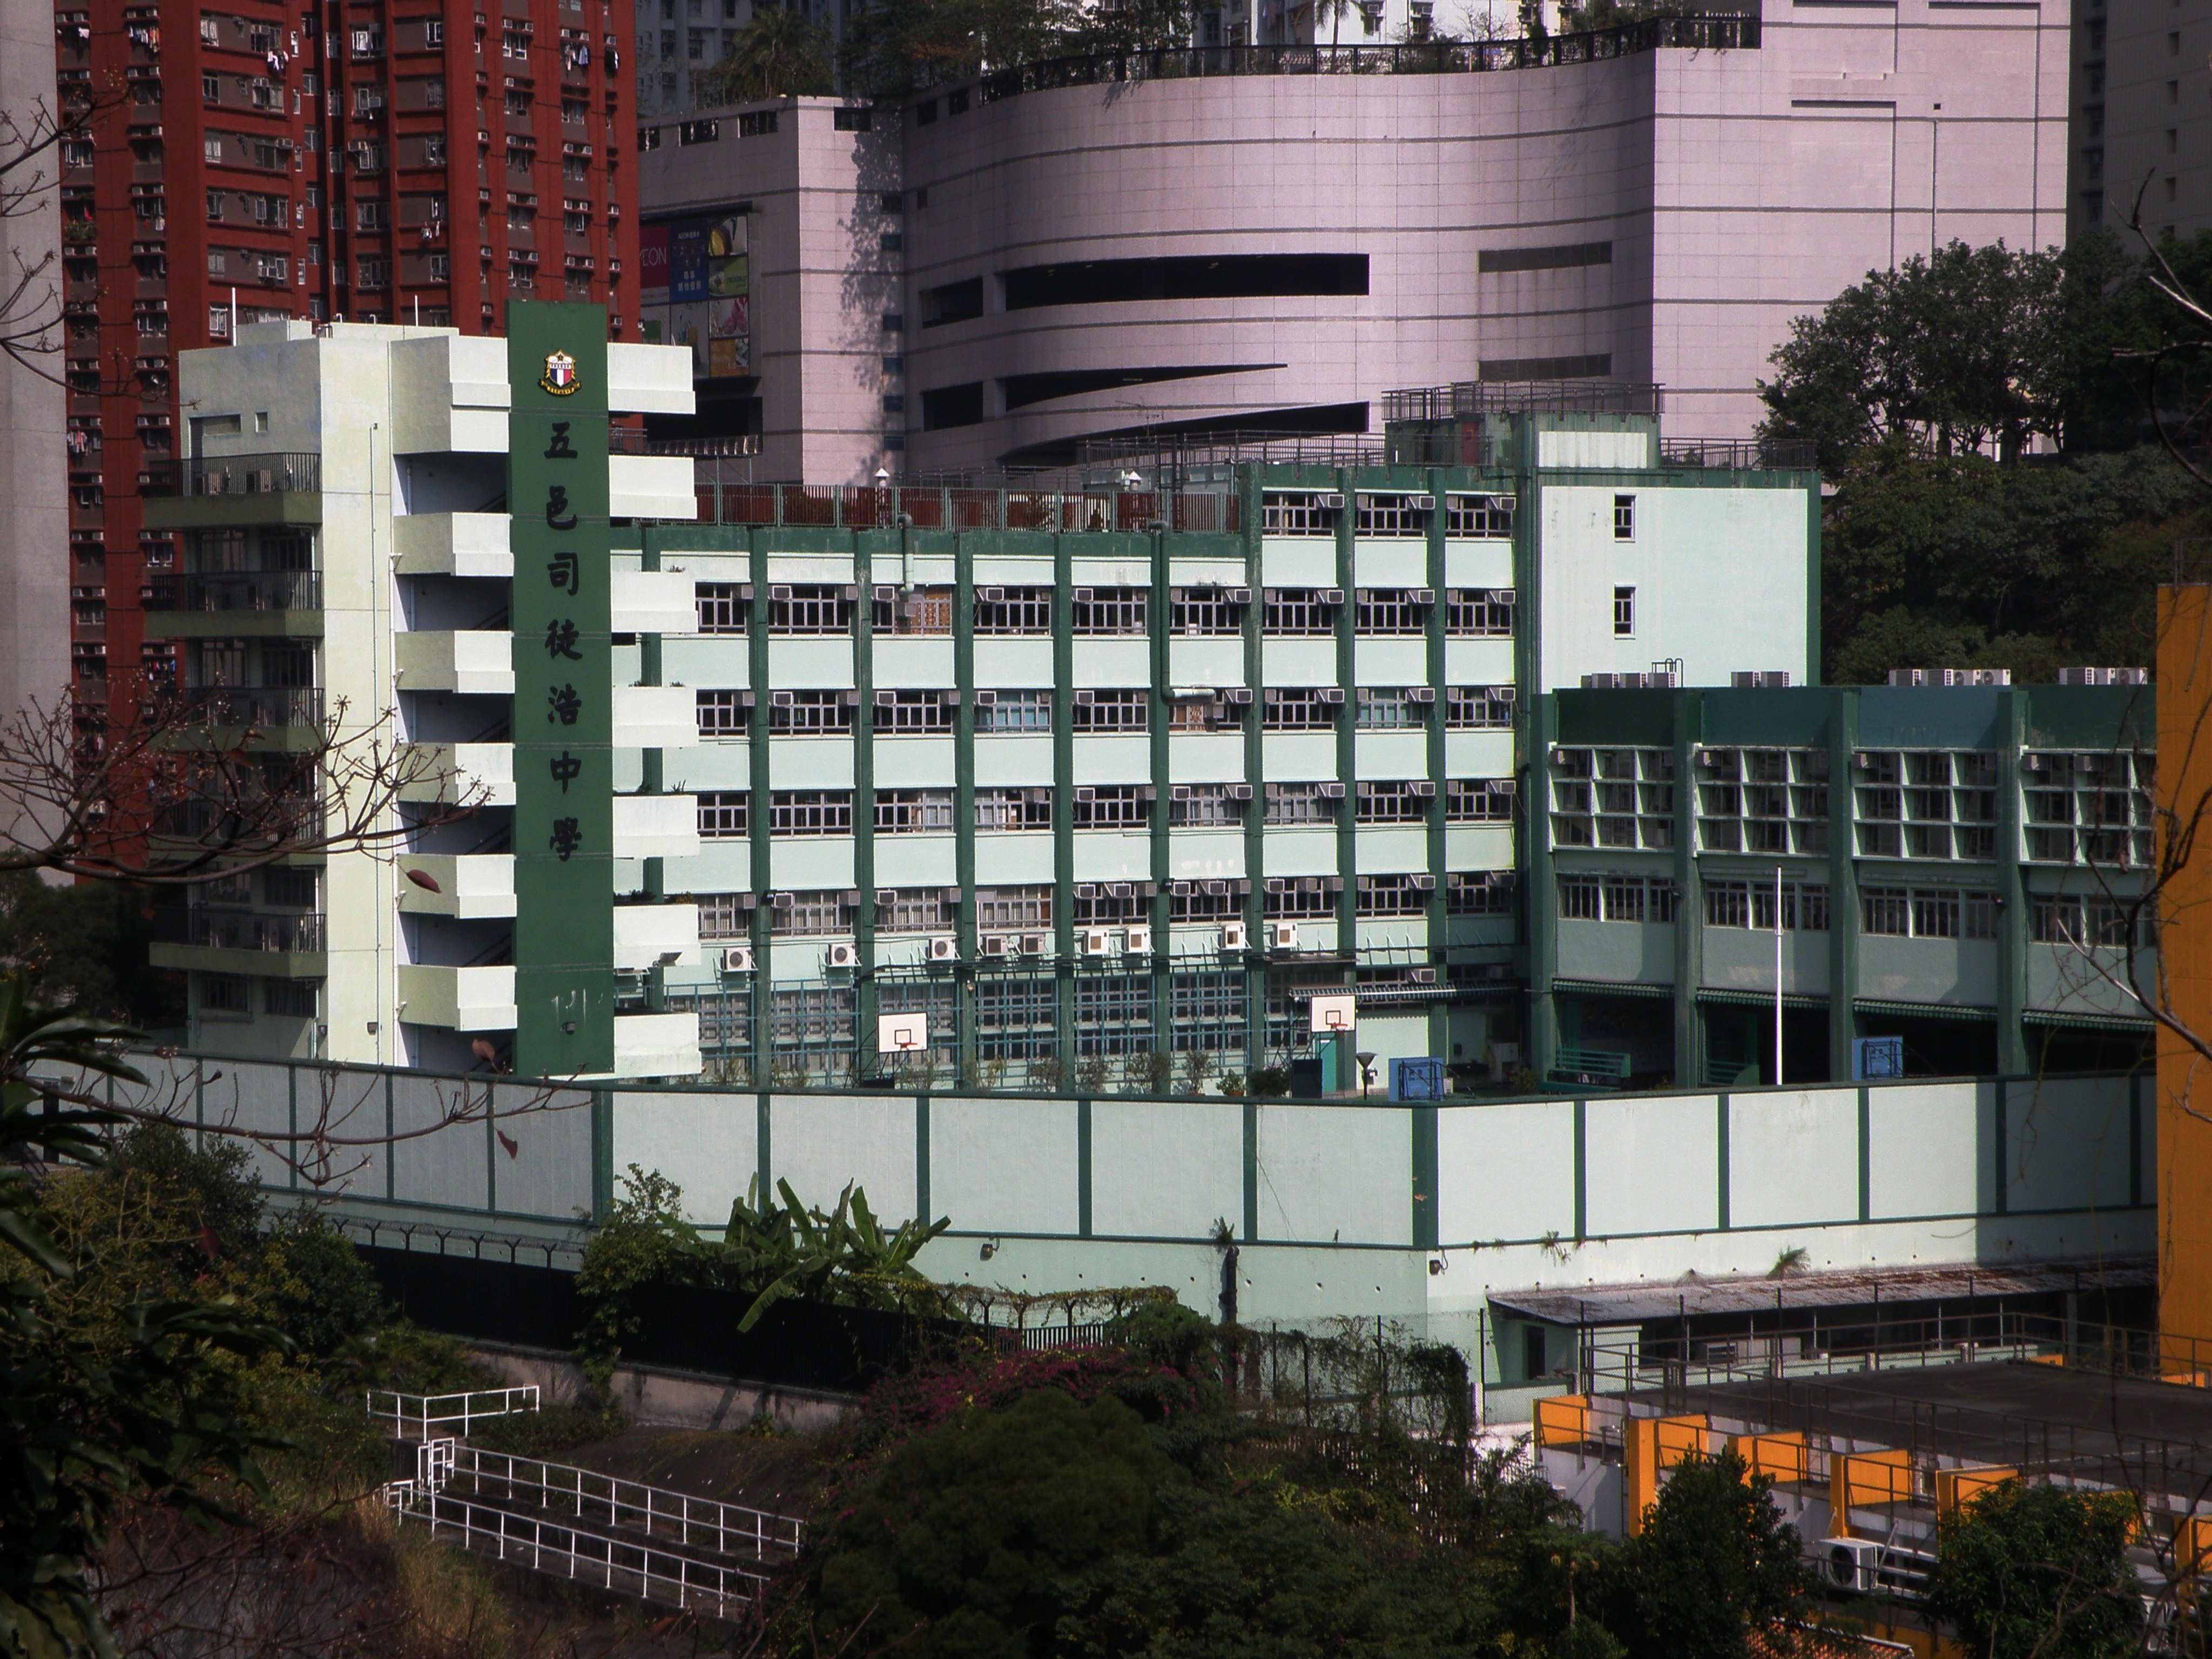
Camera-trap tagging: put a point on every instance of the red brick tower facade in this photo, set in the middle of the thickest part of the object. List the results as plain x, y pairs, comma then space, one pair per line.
389, 160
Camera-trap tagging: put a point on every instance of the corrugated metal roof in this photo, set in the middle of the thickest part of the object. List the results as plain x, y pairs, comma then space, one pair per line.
1747, 1293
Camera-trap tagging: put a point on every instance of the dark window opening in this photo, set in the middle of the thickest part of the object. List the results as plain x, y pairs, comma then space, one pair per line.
1239, 424
1022, 390
1228, 276
1546, 258
1595, 367
955, 302
952, 405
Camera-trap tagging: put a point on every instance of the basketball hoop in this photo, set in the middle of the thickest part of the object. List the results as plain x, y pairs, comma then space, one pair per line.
901, 1034
1332, 1012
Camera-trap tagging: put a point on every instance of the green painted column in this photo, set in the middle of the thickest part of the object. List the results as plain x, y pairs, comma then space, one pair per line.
1348, 737
1540, 720
865, 1060
763, 994
1688, 710
966, 1061
1439, 859
2013, 1058
1157, 612
1063, 799
562, 653
1843, 884
654, 776
1255, 773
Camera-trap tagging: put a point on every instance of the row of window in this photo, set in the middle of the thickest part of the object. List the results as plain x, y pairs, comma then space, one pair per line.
1892, 912
726, 814
1014, 909
1386, 514
1288, 612
1282, 708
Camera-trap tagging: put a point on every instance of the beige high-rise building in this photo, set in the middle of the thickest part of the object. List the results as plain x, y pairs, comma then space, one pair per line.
2143, 116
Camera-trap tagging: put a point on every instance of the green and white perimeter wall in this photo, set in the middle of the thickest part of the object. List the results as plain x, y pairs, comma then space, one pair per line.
1412, 1212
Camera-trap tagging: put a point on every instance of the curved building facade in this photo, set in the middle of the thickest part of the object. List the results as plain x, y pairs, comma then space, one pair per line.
1270, 248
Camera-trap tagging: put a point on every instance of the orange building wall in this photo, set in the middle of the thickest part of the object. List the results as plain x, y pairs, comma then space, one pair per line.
2184, 1075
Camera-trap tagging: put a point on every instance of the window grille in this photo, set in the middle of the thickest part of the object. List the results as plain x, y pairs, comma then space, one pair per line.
1479, 612
723, 714
723, 607
723, 813
1300, 613
1487, 518
809, 608
1112, 711
1111, 610
1013, 610
810, 812
1392, 611
913, 812
810, 712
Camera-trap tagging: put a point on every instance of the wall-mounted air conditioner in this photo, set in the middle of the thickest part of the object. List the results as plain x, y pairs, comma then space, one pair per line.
841, 956
1138, 941
945, 948
1282, 936
1232, 936
1035, 945
1094, 941
995, 944
737, 960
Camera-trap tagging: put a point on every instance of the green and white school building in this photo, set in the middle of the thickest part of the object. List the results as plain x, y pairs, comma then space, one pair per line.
1092, 787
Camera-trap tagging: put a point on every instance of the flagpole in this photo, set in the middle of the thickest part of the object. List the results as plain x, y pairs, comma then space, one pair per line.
1778, 975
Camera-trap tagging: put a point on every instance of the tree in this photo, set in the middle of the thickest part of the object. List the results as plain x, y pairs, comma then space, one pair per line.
86, 944
893, 47
1715, 1571
778, 54
2038, 1572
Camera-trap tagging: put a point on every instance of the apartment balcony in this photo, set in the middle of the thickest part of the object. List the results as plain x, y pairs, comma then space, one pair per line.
657, 1045
451, 774
654, 602
452, 544
457, 999
280, 716
648, 381
651, 487
280, 487
655, 717
450, 394
226, 941
645, 934
468, 886
656, 826
477, 663
236, 604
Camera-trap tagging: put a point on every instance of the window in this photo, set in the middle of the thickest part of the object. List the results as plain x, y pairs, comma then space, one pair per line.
215, 205
1220, 712
1489, 893
1395, 801
811, 608
722, 814
1300, 512
226, 994
1289, 898
1392, 515
212, 149
913, 610
723, 714
1624, 613
1886, 910
1203, 610
845, 119
914, 713
913, 812
1395, 895
810, 713
1103, 904
1300, 708
807, 912
1479, 707
723, 607
1013, 610
998, 908
288, 999
1014, 711
1478, 800
434, 31
1482, 613
1111, 610
1300, 612
1112, 711
1624, 518
368, 216
1205, 805
912, 910
1394, 610
1487, 518
1204, 900
810, 812
1118, 806
725, 916
758, 125
1002, 810
1935, 913
211, 88
1303, 803
1391, 709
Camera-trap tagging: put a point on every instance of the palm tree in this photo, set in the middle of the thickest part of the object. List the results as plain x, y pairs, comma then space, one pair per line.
778, 54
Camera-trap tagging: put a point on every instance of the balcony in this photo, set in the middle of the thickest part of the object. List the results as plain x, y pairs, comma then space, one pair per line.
227, 941
657, 1045
269, 707
656, 826
648, 380
473, 663
655, 717
235, 603
449, 774
644, 933
469, 886
457, 999
279, 488
654, 602
454, 544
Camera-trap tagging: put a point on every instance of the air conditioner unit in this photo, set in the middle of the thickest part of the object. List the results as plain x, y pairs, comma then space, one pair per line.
1035, 945
885, 594
1237, 696
1420, 788
945, 948
1232, 936
841, 956
1121, 889
1138, 941
1081, 595
1282, 936
986, 700
1421, 976
1849, 1563
1332, 596
737, 960
1330, 501
886, 896
849, 591
992, 595
1328, 694
1084, 698
1178, 889
780, 700
1505, 694
886, 699
995, 944
782, 901
1420, 694
1237, 595
1330, 791
1084, 795
2028, 762
1217, 888
1179, 791
1422, 882
1094, 941
779, 590
1422, 595
1237, 791
1864, 760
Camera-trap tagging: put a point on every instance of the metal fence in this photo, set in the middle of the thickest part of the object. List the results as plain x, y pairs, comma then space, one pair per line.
421, 1417
860, 508
674, 1517
247, 589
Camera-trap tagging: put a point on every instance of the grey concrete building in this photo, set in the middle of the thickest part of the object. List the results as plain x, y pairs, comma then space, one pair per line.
2142, 115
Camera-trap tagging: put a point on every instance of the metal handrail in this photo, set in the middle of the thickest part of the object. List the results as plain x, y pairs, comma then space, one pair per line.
249, 589
697, 1523
418, 1414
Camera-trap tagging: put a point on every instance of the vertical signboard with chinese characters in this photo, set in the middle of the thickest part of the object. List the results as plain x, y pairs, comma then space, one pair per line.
556, 362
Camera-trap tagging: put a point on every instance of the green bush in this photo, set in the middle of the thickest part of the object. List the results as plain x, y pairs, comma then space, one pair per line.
1714, 1570
318, 1290
2039, 1570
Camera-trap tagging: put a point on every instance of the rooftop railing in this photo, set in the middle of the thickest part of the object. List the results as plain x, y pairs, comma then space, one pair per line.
237, 475
864, 509
251, 590
1463, 399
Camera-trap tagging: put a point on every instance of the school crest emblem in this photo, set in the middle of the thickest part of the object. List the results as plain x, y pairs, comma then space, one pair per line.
560, 377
